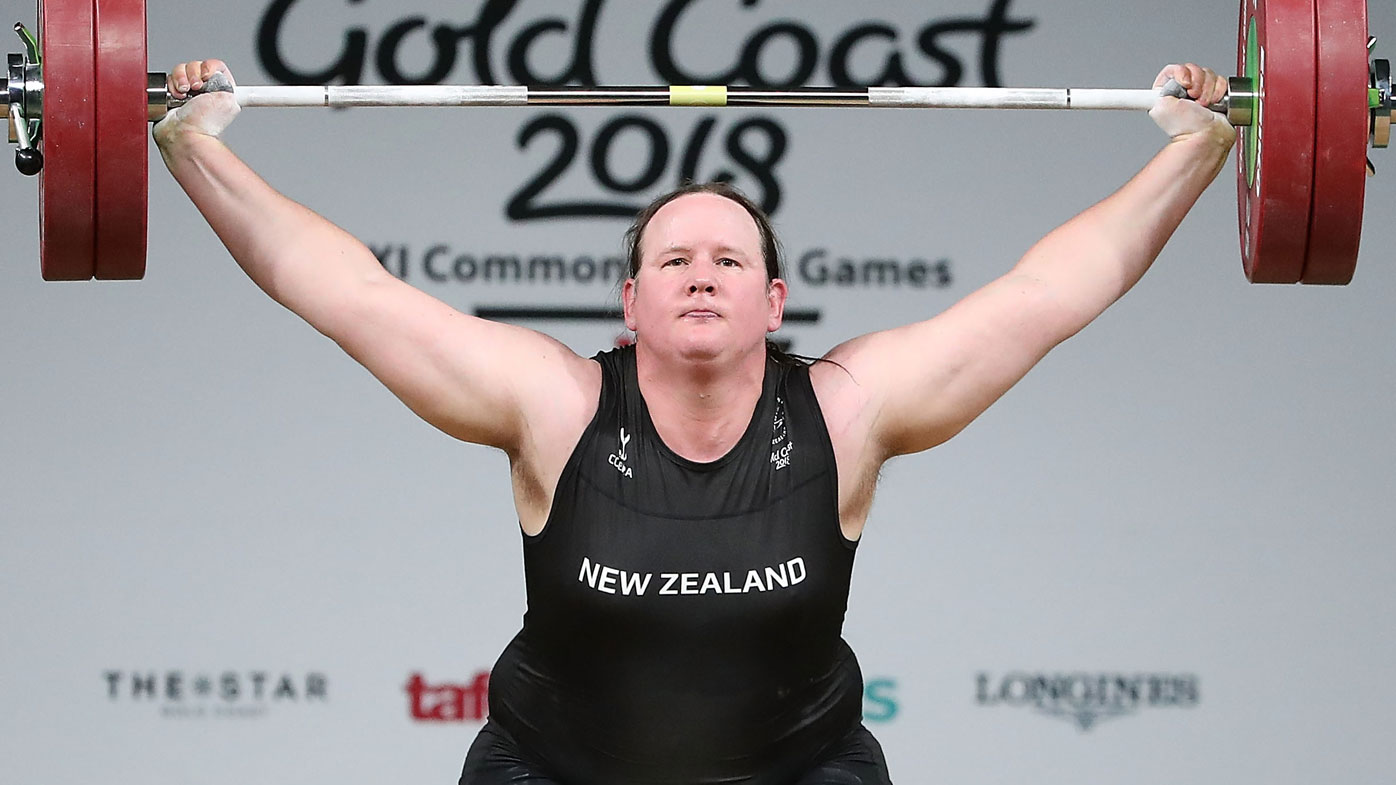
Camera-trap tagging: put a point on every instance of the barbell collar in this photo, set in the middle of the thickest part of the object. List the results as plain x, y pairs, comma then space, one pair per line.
14, 84
1385, 110
157, 97
1240, 101
23, 100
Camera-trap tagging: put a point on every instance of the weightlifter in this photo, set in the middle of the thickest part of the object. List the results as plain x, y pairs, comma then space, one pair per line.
690, 505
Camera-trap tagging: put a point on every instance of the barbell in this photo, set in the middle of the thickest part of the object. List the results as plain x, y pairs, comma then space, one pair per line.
1307, 103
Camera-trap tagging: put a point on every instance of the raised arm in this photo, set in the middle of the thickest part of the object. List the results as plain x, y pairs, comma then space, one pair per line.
474, 379
911, 388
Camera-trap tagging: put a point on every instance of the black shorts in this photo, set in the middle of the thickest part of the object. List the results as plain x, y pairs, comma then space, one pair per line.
495, 759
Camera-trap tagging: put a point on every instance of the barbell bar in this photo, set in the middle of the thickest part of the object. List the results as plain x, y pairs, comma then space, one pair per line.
1306, 104
346, 96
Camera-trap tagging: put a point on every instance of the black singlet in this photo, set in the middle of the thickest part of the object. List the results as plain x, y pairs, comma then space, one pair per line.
684, 619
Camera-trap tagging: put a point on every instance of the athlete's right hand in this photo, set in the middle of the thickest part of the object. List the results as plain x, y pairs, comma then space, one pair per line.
208, 113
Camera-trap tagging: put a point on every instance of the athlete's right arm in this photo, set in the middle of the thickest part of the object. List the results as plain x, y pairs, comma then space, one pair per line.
477, 380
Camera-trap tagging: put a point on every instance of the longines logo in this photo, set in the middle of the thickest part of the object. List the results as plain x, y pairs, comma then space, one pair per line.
183, 694
1086, 699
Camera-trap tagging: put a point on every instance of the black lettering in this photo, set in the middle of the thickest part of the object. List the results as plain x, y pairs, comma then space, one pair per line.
993, 27
943, 276
761, 165
523, 205
1128, 690
228, 687
259, 680
579, 69
348, 69
316, 686
882, 270
1007, 693
1188, 692
143, 685
427, 263
662, 52
284, 689
654, 168
952, 71
548, 265
491, 16
506, 268
444, 42
693, 149
916, 273
174, 685
807, 59
465, 268
113, 681
981, 690
893, 74
812, 268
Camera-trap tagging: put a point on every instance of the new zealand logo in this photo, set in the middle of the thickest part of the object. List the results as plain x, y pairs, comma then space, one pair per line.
618, 458
781, 446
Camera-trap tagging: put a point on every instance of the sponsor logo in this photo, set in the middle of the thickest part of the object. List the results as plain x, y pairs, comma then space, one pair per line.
816, 268
1086, 699
179, 694
931, 53
469, 701
618, 458
503, 41
609, 580
447, 702
781, 447
880, 702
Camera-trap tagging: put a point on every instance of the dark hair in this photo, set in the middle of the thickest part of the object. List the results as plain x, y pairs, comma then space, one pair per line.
770, 244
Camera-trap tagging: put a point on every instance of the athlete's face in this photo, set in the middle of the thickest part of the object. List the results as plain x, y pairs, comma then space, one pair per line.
702, 289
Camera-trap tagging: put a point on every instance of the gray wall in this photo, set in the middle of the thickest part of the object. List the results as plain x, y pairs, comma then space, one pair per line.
1193, 494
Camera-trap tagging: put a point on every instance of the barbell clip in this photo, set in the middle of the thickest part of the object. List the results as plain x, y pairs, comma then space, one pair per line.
28, 160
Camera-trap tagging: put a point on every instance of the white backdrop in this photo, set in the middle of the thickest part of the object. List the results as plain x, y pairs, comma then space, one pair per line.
225, 551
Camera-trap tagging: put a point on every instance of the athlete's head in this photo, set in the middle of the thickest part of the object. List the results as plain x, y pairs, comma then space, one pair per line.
705, 274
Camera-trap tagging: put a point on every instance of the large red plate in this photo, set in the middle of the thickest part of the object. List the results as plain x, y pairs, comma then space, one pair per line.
1276, 154
1343, 122
122, 146
67, 223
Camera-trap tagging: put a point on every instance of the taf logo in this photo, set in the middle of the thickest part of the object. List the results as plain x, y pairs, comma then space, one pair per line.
445, 702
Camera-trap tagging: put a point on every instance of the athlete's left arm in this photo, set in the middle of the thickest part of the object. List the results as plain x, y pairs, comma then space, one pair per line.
913, 387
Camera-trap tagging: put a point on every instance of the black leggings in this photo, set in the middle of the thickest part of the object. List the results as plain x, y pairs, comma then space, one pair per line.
495, 759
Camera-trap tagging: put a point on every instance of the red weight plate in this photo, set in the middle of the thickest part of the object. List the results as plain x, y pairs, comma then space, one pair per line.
122, 149
67, 224
1340, 142
1276, 155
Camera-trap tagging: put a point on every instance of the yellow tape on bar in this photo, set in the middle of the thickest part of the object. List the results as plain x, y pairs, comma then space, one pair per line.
697, 95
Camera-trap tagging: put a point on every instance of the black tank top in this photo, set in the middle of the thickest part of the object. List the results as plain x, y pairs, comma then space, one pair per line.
684, 619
